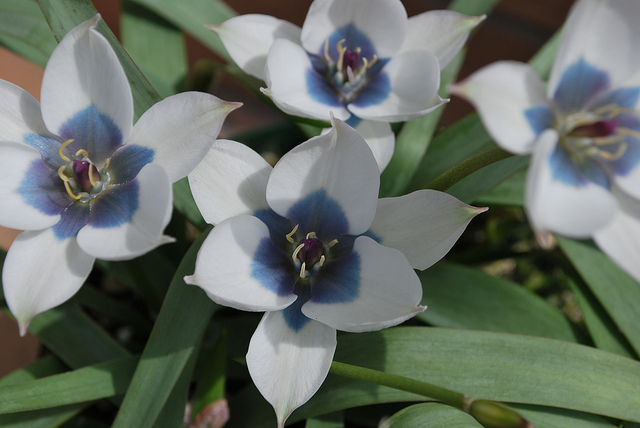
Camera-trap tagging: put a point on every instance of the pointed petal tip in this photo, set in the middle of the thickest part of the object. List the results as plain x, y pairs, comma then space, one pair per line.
212, 27
23, 327
474, 211
165, 239
190, 279
95, 20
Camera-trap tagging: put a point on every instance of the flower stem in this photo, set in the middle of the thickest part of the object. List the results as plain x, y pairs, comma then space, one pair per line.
466, 167
490, 413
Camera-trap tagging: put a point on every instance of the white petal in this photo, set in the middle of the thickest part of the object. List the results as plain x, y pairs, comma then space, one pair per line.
16, 164
289, 366
620, 240
413, 79
296, 88
84, 70
181, 129
423, 225
247, 38
231, 180
442, 32
144, 232
553, 205
381, 140
604, 33
19, 113
41, 272
338, 165
384, 22
388, 291
502, 92
238, 266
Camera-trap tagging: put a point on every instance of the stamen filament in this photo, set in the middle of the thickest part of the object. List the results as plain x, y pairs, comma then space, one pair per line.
82, 152
622, 148
91, 179
311, 235
294, 256
303, 272
332, 243
326, 51
341, 50
62, 146
289, 236
62, 175
629, 132
70, 192
321, 261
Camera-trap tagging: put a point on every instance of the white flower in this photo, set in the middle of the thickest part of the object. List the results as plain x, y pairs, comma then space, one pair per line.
583, 130
80, 179
363, 60
309, 243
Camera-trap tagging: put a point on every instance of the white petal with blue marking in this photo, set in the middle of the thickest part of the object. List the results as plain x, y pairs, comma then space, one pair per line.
423, 225
561, 200
289, 366
41, 272
296, 87
29, 198
181, 129
380, 138
231, 180
247, 38
383, 22
604, 33
114, 239
502, 93
238, 266
442, 32
405, 88
330, 181
84, 71
380, 289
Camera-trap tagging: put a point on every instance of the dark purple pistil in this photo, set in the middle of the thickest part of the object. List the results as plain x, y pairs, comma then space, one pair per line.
81, 174
602, 128
311, 252
351, 60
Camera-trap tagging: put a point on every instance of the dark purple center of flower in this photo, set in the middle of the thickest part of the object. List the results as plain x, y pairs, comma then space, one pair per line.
311, 252
351, 60
602, 128
81, 171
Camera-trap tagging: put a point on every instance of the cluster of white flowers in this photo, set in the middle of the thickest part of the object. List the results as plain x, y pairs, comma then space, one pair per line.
308, 242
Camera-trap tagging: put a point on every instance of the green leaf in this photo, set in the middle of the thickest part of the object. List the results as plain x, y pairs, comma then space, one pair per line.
156, 46
461, 297
618, 292
474, 8
549, 417
83, 385
192, 16
330, 420
184, 314
431, 415
473, 186
509, 193
74, 337
183, 201
414, 138
24, 30
63, 15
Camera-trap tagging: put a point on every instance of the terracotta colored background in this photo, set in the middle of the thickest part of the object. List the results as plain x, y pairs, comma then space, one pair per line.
515, 30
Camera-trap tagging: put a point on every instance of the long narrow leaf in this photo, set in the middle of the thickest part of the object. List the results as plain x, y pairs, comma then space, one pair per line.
24, 30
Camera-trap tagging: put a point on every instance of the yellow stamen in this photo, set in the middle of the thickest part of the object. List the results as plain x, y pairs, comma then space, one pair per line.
70, 192
61, 173
289, 236
332, 243
341, 50
629, 132
303, 272
311, 235
62, 146
91, 179
82, 152
321, 261
613, 110
326, 51
622, 148
368, 64
294, 256
106, 164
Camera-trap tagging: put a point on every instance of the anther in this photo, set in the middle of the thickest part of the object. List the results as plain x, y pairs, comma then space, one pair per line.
61, 173
341, 50
311, 235
289, 236
82, 152
332, 243
91, 179
62, 146
321, 261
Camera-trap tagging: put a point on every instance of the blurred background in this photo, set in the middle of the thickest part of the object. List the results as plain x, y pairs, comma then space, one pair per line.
515, 31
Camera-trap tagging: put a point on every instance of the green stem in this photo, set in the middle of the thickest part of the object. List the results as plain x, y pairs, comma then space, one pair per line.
489, 413
466, 167
402, 383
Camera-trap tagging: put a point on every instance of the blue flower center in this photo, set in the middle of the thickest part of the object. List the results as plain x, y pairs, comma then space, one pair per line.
350, 72
82, 179
309, 253
595, 134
